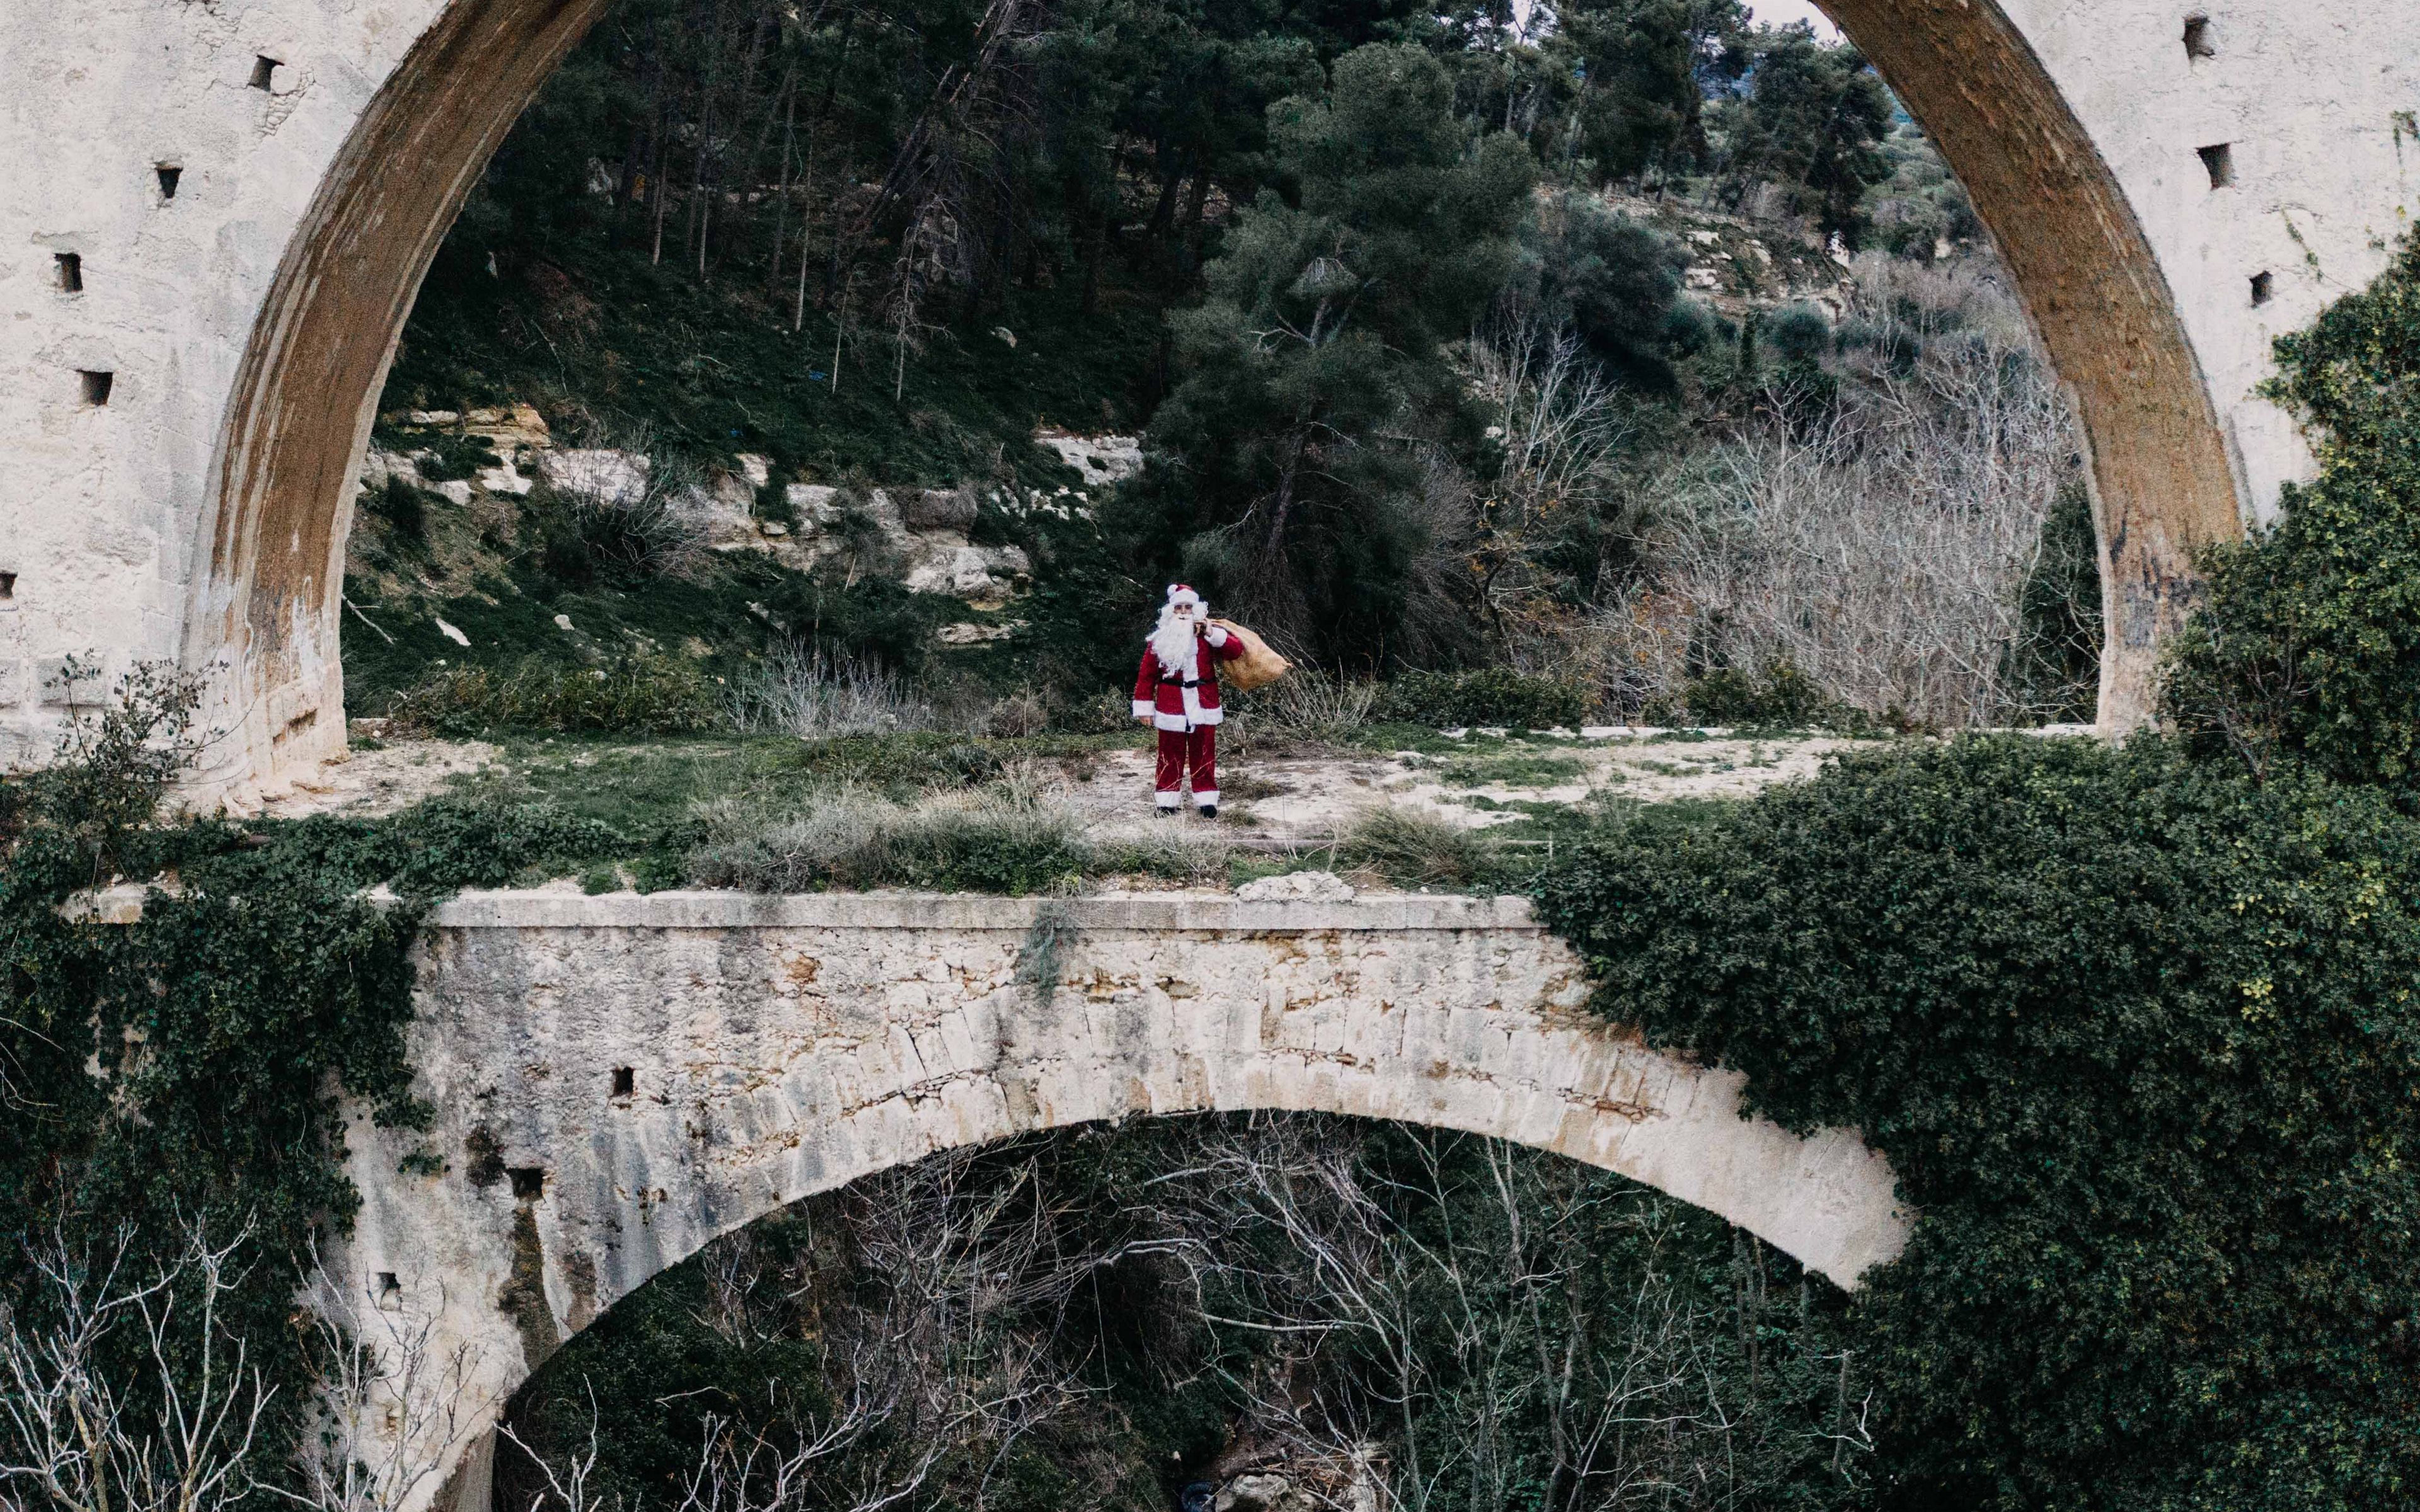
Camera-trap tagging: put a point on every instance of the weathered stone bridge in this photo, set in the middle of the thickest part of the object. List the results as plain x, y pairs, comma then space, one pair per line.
618, 1079
218, 211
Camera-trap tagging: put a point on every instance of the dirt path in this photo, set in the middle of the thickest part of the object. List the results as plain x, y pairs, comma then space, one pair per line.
1282, 800
380, 779
1313, 800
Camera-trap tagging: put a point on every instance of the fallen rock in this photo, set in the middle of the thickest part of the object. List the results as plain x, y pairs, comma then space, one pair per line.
1298, 887
1102, 459
967, 633
939, 509
600, 473
943, 562
505, 479
1257, 1493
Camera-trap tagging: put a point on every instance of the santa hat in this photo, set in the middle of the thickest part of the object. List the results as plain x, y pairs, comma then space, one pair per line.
1179, 595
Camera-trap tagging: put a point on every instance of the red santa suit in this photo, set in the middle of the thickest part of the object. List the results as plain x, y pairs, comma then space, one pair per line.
1182, 703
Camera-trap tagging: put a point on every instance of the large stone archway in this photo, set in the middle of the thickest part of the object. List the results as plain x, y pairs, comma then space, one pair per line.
618, 1079
320, 149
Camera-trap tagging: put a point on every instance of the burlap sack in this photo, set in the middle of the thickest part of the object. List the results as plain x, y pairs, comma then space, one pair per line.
1258, 667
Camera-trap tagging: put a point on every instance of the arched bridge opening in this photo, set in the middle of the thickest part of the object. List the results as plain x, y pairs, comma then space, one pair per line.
252, 200
619, 1080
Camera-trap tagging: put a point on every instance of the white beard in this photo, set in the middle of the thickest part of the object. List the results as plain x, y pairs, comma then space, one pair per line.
1172, 644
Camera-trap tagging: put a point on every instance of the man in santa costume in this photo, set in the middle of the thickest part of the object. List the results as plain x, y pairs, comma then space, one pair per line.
1177, 691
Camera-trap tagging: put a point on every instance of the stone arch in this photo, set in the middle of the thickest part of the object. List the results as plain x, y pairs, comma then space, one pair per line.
619, 1079
250, 241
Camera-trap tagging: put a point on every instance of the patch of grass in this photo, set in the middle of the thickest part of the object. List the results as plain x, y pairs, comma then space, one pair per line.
716, 368
992, 840
1414, 850
1517, 772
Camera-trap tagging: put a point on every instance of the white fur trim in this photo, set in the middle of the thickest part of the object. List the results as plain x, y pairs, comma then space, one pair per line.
1169, 721
1207, 796
1170, 799
1143, 709
1216, 635
1195, 713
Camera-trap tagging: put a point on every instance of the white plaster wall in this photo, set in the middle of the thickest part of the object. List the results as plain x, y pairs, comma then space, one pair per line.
2326, 179
783, 1046
101, 509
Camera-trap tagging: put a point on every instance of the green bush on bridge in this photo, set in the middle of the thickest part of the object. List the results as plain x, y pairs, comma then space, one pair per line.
2309, 649
2138, 1036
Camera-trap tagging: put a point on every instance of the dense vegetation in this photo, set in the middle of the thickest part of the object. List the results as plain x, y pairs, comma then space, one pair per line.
2135, 1028
1414, 391
2310, 651
2136, 1034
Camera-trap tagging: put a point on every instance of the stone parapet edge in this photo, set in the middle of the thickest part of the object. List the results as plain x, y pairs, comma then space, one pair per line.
1153, 912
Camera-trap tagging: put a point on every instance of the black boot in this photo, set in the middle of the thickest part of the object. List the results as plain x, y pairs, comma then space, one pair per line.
1209, 810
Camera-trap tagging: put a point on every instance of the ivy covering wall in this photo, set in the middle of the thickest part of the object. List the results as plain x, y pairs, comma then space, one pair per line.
187, 1067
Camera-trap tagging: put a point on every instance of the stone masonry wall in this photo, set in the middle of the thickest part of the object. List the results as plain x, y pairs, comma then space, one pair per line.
618, 1079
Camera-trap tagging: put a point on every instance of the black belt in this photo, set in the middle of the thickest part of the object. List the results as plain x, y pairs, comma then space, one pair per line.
1180, 681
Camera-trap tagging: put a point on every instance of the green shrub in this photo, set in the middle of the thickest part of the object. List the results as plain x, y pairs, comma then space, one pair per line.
2308, 645
1491, 696
640, 694
1801, 334
189, 1067
1727, 696
2139, 1039
403, 510
444, 458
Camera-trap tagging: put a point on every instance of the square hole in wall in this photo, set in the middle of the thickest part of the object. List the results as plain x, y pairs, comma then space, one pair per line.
2220, 161
2200, 43
169, 173
7, 586
390, 1291
96, 385
626, 1081
2264, 288
529, 1182
71, 270
264, 72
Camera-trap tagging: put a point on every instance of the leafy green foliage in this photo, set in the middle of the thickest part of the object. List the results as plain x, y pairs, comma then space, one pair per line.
1812, 120
2139, 1038
1291, 491
188, 1065
1612, 280
2058, 661
1489, 696
1779, 696
2308, 646
641, 693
